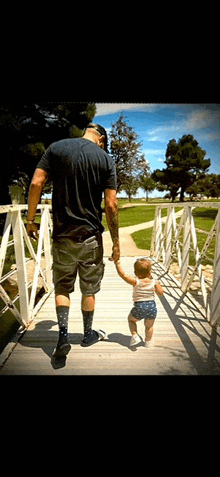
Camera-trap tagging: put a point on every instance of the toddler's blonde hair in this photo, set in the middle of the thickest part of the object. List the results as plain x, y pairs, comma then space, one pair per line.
142, 268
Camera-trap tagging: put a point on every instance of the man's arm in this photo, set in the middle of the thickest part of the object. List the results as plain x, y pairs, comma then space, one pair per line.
111, 211
38, 181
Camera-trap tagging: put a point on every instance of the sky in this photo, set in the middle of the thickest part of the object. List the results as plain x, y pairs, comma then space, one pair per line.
157, 123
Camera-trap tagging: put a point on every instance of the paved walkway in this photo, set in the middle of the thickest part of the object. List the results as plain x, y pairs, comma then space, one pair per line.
184, 342
127, 244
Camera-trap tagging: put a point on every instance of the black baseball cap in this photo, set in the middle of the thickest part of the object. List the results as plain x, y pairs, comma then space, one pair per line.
101, 131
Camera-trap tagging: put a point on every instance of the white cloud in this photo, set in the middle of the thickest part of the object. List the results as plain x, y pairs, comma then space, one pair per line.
154, 138
202, 123
206, 137
175, 126
202, 119
160, 160
103, 109
154, 152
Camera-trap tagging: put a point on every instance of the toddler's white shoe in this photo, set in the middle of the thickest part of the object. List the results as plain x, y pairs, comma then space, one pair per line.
135, 339
149, 344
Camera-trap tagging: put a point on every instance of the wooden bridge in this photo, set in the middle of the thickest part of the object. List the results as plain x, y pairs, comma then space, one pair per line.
187, 338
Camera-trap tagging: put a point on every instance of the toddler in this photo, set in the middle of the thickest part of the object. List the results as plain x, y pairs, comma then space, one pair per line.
144, 288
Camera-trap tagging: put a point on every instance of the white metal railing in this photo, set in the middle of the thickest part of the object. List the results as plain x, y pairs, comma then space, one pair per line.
167, 247
14, 226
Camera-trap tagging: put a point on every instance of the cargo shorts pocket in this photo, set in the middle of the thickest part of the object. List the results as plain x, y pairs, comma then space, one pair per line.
90, 250
61, 255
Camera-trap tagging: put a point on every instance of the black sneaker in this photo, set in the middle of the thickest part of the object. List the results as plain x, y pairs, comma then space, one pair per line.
63, 347
92, 337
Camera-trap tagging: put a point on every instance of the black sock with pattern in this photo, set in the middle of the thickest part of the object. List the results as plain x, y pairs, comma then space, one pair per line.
62, 317
87, 321
90, 336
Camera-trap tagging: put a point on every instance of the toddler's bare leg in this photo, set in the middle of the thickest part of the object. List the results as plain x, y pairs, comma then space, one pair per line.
132, 324
148, 329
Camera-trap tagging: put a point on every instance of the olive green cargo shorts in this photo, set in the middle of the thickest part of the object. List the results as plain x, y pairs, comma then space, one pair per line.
86, 258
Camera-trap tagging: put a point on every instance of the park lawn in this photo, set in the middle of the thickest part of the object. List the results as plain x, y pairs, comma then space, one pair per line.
135, 215
204, 219
142, 238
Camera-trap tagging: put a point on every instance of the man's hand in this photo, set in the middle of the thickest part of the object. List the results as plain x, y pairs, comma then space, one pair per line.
115, 253
32, 231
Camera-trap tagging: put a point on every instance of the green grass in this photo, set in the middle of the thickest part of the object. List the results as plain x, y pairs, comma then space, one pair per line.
142, 238
204, 218
135, 215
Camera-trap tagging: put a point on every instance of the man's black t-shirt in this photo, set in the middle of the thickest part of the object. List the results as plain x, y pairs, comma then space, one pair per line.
80, 171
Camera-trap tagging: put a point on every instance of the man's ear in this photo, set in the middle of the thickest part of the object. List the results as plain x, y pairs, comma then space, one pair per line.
102, 141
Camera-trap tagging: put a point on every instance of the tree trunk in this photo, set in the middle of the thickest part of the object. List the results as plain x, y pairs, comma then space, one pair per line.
182, 195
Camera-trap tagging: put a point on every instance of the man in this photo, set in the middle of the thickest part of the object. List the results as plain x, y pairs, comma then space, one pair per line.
81, 170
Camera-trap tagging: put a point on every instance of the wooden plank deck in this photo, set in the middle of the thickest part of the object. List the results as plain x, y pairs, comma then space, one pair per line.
184, 342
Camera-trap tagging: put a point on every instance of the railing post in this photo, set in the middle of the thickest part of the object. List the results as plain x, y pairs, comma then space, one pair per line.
177, 232
47, 251
168, 238
215, 295
5, 238
185, 251
21, 266
198, 266
158, 234
153, 239
38, 260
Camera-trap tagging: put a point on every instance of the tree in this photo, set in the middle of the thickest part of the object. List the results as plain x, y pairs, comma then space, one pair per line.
148, 185
212, 185
130, 162
165, 182
208, 186
131, 187
186, 163
27, 129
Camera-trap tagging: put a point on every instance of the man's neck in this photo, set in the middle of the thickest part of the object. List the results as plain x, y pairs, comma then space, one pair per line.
90, 137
